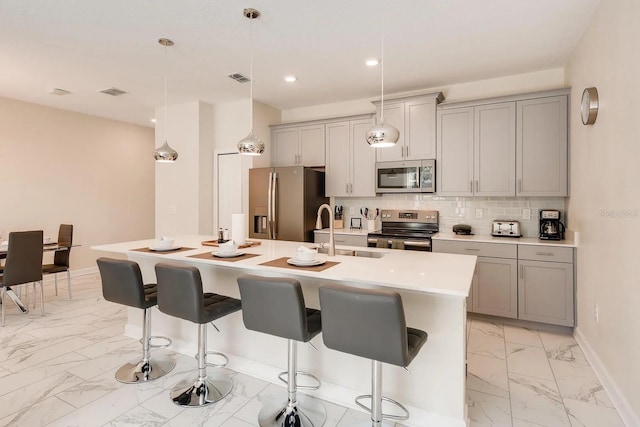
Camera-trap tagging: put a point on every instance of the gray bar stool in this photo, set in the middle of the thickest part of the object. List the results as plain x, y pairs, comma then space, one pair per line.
122, 284
180, 295
275, 306
370, 324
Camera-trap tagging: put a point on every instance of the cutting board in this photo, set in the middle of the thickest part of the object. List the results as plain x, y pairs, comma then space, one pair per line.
247, 244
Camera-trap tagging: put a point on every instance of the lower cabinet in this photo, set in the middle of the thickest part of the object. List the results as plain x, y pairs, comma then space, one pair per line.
342, 239
527, 282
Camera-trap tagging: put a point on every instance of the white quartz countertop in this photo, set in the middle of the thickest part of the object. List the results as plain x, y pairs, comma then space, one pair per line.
353, 232
569, 241
424, 272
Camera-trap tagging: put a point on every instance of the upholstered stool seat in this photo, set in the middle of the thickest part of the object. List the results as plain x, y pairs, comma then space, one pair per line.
180, 295
370, 324
275, 306
122, 284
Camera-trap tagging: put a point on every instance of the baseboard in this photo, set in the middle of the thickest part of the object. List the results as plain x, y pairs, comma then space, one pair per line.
620, 401
330, 392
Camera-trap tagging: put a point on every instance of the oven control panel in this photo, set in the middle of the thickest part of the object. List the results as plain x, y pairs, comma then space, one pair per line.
426, 217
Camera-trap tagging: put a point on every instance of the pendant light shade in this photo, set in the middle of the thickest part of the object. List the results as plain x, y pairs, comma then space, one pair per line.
382, 134
251, 145
165, 153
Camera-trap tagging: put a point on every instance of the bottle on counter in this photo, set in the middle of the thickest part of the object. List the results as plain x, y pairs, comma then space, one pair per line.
221, 238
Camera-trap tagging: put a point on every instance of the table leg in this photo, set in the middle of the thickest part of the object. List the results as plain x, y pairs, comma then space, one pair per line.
11, 294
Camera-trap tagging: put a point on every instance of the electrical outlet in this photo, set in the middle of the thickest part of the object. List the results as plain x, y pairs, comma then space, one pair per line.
526, 213
478, 213
596, 313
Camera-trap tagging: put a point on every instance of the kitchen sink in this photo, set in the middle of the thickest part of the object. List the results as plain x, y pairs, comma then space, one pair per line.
353, 252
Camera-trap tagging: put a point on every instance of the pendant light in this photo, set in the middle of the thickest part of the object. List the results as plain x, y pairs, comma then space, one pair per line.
251, 145
382, 134
165, 153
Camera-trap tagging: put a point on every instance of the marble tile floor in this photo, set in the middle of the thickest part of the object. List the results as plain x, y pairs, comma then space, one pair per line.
58, 370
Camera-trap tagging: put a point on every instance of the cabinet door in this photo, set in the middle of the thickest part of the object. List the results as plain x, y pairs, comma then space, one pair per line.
393, 115
338, 167
495, 150
363, 160
454, 167
542, 147
420, 129
285, 146
495, 288
312, 145
545, 292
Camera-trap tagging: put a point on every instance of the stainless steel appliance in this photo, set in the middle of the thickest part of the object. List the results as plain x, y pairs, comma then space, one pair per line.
412, 176
551, 228
406, 229
505, 228
283, 202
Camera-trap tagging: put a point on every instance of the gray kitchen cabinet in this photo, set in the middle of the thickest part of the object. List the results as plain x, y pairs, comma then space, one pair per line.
542, 147
495, 281
476, 150
546, 285
341, 238
298, 145
350, 166
415, 118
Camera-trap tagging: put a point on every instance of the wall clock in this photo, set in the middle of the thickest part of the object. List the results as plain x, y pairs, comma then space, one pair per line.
589, 106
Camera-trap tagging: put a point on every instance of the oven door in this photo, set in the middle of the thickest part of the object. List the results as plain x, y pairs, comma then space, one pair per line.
386, 242
398, 177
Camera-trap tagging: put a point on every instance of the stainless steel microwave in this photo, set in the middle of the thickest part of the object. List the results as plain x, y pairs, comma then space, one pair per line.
411, 176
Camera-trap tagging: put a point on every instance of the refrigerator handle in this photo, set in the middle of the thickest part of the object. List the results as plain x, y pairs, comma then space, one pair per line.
269, 194
274, 212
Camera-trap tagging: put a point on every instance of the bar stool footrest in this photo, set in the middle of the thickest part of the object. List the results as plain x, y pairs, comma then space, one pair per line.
284, 374
158, 337
215, 365
405, 416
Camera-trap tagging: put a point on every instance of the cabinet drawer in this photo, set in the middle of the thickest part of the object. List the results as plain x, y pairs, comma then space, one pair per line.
545, 253
342, 239
494, 250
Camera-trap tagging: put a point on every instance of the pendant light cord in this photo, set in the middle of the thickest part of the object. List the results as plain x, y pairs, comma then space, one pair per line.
251, 73
166, 130
382, 69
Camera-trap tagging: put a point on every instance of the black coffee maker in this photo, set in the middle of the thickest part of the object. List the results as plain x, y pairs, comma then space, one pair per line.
551, 228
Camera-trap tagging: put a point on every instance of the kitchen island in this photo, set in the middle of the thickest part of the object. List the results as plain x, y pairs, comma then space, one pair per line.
433, 286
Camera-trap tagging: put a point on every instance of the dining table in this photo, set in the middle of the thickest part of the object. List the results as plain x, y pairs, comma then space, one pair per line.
46, 247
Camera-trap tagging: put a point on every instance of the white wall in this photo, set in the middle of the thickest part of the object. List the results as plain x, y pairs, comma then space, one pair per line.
604, 204
62, 167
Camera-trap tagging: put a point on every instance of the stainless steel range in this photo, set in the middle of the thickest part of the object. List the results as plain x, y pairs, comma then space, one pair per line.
405, 229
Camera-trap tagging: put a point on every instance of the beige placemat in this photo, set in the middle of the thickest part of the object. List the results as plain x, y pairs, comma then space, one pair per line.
209, 256
282, 263
172, 251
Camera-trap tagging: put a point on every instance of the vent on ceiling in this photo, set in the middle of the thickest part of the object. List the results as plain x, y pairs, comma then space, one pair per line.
58, 91
239, 78
113, 91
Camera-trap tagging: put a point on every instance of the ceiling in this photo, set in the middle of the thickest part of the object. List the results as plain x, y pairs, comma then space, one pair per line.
84, 46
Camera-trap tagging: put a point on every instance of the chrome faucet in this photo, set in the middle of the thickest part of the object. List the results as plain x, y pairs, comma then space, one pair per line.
332, 245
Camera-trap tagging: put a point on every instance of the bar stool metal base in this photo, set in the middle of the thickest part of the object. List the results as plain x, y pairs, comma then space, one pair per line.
306, 412
131, 373
201, 392
374, 424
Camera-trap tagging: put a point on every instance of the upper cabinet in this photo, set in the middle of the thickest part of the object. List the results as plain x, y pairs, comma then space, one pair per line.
415, 118
350, 169
298, 145
510, 146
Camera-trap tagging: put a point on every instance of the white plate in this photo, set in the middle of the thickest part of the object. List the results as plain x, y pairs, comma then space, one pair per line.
152, 248
302, 263
227, 254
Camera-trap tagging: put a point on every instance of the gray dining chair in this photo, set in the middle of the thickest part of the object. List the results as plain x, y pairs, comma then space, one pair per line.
23, 264
61, 257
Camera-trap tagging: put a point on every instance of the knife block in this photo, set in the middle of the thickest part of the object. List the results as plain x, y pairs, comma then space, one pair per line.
338, 223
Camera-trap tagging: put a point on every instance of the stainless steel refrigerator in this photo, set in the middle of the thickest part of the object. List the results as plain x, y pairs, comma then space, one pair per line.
284, 201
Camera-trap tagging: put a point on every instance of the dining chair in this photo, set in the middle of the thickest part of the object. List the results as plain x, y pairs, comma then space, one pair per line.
61, 257
23, 264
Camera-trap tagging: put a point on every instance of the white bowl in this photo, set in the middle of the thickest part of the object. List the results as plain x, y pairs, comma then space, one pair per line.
164, 243
306, 255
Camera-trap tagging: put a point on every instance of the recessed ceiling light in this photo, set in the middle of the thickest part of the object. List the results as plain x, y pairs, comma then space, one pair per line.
290, 79
372, 62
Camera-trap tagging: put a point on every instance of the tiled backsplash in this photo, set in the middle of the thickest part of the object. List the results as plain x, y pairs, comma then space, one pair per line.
461, 210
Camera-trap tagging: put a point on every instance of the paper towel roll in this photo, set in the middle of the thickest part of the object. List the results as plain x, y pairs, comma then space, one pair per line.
239, 228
